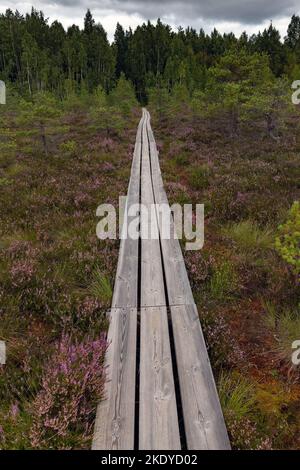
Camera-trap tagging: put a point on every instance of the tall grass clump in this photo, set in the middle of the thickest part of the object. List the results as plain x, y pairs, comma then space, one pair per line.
238, 400
223, 283
237, 395
248, 236
285, 327
100, 287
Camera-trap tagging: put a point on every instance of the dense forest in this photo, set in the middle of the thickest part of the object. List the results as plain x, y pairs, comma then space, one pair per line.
38, 56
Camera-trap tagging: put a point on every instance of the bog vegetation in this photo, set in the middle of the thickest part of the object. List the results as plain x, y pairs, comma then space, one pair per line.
228, 137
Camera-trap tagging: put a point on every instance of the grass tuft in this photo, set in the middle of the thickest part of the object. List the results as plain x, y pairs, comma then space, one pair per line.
249, 236
223, 282
100, 287
237, 395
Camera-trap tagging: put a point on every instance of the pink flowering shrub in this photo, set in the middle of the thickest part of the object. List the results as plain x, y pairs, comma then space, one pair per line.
198, 267
19, 248
22, 272
104, 143
107, 144
223, 347
244, 434
72, 384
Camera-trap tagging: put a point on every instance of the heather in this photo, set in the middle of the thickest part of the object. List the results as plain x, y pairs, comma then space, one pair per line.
72, 385
58, 163
245, 279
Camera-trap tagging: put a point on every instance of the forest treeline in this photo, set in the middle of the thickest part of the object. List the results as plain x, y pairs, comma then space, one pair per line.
38, 56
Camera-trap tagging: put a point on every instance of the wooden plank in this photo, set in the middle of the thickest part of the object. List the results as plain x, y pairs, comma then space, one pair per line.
114, 426
152, 283
178, 285
203, 418
126, 281
158, 421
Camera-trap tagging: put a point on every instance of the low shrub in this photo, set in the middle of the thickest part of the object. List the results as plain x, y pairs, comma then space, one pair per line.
288, 241
72, 384
69, 147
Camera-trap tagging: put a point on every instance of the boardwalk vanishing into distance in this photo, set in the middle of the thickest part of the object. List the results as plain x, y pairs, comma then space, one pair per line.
160, 392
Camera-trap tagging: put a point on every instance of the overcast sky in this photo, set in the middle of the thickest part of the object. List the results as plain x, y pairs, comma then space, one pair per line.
225, 15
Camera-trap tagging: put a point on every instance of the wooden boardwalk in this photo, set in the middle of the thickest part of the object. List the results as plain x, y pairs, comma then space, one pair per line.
160, 393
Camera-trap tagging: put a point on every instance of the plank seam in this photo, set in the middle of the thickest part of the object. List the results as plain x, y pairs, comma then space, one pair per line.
178, 398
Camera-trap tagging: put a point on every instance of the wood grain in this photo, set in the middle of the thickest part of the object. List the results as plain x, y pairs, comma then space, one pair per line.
178, 285
152, 283
203, 418
126, 281
114, 427
158, 421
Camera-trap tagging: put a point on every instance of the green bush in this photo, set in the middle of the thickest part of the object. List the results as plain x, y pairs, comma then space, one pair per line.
69, 147
288, 241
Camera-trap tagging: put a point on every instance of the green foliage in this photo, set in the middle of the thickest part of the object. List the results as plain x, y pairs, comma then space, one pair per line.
69, 147
38, 56
199, 177
15, 428
40, 113
233, 85
245, 422
237, 395
288, 241
122, 96
285, 325
100, 97
5, 182
249, 236
100, 287
223, 283
159, 100
111, 111
270, 102
181, 159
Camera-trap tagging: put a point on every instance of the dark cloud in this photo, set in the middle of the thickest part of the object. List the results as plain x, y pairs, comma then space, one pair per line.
243, 11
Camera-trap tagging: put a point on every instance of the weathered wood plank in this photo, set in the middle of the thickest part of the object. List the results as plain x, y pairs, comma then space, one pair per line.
178, 285
203, 418
158, 421
152, 283
126, 281
114, 426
